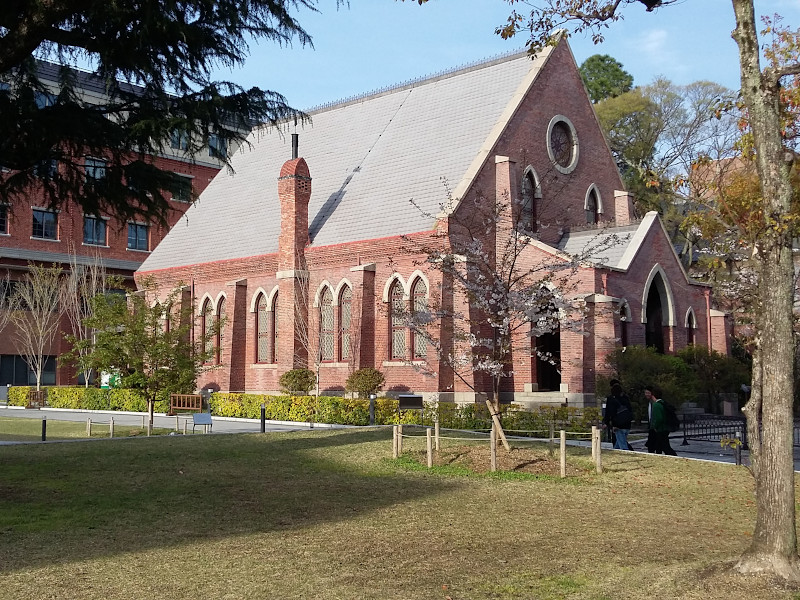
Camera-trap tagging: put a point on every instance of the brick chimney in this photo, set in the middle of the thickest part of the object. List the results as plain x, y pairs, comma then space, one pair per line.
294, 192
623, 207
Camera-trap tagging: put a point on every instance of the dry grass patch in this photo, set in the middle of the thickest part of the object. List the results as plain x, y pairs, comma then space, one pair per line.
331, 515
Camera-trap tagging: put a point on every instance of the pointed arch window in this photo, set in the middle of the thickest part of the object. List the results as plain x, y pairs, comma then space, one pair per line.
263, 337
219, 331
274, 323
690, 327
397, 335
345, 315
326, 324
528, 219
419, 295
207, 325
592, 204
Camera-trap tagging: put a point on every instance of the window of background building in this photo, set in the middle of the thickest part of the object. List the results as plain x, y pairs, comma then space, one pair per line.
182, 192
262, 331
46, 169
217, 146
15, 371
44, 99
45, 224
95, 169
420, 307
137, 236
3, 218
179, 140
94, 231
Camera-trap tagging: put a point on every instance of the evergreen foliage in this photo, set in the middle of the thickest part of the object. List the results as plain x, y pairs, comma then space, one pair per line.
153, 61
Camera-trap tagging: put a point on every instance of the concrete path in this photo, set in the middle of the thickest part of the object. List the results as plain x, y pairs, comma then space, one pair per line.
160, 420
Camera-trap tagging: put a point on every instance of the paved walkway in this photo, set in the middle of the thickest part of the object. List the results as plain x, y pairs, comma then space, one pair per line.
160, 420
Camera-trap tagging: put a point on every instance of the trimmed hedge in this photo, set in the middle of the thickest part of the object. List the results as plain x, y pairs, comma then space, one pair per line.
326, 409
82, 398
346, 411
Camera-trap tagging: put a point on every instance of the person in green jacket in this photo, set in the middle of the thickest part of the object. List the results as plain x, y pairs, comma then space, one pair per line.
658, 437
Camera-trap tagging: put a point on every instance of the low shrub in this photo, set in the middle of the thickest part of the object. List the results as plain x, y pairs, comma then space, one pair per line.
298, 381
18, 395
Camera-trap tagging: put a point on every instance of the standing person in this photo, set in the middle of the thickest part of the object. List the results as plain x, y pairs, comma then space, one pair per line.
619, 416
658, 438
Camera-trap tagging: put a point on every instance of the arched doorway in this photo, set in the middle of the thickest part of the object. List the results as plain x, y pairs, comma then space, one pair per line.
547, 358
654, 313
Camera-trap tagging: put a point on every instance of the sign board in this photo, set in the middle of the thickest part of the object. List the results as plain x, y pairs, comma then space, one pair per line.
409, 402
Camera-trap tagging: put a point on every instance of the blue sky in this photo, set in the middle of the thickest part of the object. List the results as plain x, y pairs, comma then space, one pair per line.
378, 43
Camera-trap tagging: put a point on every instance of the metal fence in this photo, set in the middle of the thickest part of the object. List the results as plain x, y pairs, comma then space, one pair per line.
716, 427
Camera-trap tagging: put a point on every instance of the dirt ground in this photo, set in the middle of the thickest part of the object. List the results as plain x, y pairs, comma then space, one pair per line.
476, 457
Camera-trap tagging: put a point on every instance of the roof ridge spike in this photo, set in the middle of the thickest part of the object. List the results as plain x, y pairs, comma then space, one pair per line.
414, 82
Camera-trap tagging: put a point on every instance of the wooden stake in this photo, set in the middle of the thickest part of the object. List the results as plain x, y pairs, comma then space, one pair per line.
552, 438
493, 449
496, 421
400, 440
394, 441
594, 442
111, 428
185, 426
177, 424
436, 431
89, 427
563, 454
429, 440
599, 455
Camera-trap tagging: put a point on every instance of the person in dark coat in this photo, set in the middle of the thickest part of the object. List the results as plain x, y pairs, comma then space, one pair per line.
658, 436
619, 416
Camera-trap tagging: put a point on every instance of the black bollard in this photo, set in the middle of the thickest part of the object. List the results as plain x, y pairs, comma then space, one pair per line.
44, 429
263, 418
372, 409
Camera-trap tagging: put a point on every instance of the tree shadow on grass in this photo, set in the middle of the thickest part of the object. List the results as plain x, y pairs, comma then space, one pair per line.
67, 502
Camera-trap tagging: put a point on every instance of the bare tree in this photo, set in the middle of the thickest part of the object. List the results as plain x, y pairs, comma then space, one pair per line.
496, 292
84, 282
35, 314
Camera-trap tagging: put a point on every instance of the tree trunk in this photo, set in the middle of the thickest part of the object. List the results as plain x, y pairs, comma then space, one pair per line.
774, 545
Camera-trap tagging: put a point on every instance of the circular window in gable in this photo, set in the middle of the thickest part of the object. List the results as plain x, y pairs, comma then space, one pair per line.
562, 144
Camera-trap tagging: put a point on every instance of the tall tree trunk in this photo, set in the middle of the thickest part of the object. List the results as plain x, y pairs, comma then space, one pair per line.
774, 545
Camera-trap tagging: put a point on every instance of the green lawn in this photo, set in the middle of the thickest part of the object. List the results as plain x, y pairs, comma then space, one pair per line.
22, 429
331, 515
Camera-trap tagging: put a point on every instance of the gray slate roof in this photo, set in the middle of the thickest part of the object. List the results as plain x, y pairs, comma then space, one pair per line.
368, 159
605, 246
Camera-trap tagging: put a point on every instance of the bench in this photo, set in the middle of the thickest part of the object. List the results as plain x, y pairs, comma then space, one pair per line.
190, 402
203, 419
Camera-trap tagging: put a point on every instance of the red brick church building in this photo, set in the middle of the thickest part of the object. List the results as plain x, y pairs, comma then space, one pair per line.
282, 241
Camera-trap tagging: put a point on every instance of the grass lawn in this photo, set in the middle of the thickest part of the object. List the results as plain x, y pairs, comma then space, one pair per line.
21, 429
329, 514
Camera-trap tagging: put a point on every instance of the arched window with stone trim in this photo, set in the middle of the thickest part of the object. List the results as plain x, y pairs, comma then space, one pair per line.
220, 331
274, 323
326, 327
345, 318
592, 207
419, 306
207, 326
397, 333
691, 325
263, 334
624, 323
528, 217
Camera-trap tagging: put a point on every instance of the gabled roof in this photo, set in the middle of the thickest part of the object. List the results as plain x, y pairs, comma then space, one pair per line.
368, 157
617, 247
